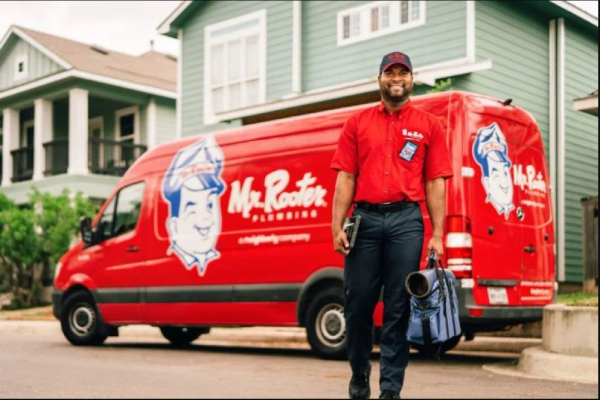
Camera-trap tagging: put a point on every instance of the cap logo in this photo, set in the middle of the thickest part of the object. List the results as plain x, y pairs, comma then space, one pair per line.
397, 56
197, 169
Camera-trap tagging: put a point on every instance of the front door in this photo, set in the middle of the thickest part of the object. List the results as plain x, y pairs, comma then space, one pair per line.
96, 154
28, 138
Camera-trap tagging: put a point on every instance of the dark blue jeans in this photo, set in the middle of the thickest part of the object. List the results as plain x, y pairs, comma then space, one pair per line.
388, 247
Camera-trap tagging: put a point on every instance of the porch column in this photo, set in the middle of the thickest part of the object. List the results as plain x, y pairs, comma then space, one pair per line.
42, 133
78, 132
11, 142
151, 124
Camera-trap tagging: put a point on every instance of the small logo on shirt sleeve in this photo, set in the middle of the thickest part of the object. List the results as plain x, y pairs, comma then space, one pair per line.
408, 151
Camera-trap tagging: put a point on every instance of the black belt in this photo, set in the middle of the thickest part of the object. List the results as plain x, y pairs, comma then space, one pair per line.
390, 207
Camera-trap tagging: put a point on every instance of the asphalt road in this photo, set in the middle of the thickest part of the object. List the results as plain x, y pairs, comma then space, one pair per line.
41, 364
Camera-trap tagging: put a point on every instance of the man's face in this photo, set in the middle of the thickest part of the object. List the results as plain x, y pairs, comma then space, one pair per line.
396, 83
198, 226
498, 184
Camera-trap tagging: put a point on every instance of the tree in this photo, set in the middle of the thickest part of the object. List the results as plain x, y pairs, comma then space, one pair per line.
442, 86
33, 238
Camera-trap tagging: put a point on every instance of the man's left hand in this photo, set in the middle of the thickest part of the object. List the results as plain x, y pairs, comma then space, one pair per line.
436, 246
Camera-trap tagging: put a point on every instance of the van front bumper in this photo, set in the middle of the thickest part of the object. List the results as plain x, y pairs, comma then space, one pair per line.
493, 317
57, 296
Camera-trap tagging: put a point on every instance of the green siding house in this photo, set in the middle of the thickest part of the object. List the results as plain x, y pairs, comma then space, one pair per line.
244, 62
77, 116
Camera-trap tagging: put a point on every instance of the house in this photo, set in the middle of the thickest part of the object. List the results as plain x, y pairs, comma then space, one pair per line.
76, 115
246, 62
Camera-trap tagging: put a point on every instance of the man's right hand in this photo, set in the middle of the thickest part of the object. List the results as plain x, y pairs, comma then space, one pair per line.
340, 243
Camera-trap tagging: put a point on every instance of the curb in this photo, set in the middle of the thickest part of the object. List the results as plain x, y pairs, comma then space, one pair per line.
262, 336
536, 363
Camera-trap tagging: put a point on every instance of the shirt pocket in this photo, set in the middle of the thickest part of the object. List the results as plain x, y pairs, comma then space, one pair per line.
411, 155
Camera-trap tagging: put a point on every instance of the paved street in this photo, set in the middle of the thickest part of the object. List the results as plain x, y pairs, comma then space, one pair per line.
36, 363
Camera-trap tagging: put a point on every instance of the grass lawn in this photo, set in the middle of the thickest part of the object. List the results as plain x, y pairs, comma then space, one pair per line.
578, 299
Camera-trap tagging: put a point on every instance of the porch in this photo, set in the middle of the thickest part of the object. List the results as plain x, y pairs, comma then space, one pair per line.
77, 133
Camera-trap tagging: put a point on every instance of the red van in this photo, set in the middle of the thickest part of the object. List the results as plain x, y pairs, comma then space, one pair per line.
234, 229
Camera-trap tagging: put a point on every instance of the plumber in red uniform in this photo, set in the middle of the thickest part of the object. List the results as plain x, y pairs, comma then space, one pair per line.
390, 158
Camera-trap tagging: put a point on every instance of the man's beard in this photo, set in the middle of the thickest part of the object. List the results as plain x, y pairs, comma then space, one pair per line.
387, 95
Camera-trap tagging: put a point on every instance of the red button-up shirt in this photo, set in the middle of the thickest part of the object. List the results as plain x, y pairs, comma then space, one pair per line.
392, 155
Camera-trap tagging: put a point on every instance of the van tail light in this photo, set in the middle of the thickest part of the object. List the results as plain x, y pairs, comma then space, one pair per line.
459, 246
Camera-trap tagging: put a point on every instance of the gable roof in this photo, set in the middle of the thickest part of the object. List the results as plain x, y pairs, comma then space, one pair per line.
557, 8
149, 69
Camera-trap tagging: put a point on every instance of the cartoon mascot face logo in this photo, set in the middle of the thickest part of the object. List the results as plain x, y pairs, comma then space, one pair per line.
192, 187
491, 153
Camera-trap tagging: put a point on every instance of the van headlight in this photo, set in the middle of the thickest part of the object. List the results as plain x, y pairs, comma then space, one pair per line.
57, 270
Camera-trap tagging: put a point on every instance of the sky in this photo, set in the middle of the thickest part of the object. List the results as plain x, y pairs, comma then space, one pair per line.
124, 26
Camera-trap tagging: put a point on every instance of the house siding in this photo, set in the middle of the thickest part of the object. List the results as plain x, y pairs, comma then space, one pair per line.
166, 121
39, 65
442, 38
581, 164
279, 56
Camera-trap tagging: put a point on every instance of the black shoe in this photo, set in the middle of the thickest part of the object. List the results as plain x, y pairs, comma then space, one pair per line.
389, 394
360, 388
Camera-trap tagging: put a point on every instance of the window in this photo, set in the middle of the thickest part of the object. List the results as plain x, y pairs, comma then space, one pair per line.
106, 221
21, 68
122, 217
377, 19
235, 53
128, 133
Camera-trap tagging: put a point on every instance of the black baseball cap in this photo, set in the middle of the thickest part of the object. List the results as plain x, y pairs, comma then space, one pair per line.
395, 58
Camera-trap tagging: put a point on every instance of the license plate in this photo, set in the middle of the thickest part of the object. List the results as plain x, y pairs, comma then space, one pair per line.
497, 296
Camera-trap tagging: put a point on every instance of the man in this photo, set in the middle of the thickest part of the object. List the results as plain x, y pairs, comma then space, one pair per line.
490, 151
389, 158
192, 187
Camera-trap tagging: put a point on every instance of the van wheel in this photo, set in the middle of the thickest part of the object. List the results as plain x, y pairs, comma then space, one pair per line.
325, 325
80, 320
446, 346
181, 337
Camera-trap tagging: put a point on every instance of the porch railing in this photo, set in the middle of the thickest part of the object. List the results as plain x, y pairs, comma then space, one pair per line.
22, 164
109, 157
57, 156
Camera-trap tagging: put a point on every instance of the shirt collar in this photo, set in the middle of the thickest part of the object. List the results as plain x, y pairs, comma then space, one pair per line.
405, 108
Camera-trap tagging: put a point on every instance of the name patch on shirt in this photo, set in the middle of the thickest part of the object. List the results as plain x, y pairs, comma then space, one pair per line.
408, 151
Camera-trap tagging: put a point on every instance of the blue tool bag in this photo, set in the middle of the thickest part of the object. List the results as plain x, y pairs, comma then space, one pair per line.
433, 307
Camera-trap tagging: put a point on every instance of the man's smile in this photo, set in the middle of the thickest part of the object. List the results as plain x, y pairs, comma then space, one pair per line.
203, 231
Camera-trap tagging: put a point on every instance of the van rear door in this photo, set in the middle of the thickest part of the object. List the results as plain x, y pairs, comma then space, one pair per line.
496, 230
534, 212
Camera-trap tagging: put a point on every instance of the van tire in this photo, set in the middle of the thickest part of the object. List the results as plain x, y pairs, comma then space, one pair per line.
325, 324
181, 337
80, 320
446, 346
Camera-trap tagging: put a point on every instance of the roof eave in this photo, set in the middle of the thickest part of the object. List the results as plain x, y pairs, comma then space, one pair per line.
576, 11
171, 24
15, 30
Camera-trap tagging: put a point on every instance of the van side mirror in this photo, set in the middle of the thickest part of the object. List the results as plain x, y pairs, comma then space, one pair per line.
85, 228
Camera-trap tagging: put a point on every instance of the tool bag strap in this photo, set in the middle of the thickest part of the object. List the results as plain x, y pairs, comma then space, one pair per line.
431, 351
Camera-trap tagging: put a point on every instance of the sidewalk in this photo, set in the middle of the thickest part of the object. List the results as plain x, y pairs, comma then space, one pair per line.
282, 337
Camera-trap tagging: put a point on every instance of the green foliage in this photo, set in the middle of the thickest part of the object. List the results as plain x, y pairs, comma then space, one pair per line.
578, 299
442, 85
33, 238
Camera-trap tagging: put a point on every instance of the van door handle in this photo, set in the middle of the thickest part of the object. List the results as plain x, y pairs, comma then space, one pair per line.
529, 249
133, 249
